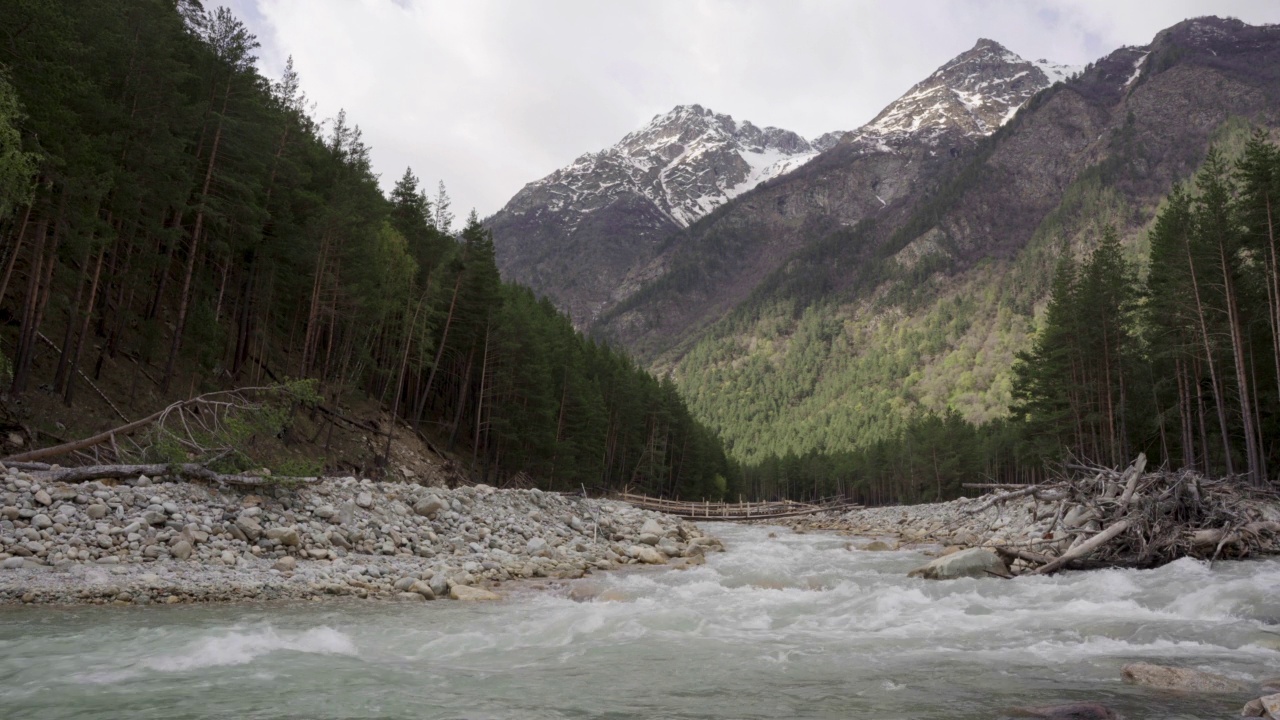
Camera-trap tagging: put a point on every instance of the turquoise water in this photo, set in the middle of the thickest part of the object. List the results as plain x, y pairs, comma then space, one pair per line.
793, 626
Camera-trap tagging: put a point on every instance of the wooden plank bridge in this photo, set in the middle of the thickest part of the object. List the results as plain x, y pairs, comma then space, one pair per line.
730, 512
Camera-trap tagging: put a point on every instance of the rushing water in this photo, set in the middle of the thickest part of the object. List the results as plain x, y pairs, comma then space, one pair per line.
794, 626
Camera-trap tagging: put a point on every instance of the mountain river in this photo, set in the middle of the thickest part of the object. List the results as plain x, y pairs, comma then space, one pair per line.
797, 626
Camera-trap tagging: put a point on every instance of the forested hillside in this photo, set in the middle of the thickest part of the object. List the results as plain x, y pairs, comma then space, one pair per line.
1175, 355
923, 306
167, 212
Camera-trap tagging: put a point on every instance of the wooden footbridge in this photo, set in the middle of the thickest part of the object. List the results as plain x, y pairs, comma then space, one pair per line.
729, 512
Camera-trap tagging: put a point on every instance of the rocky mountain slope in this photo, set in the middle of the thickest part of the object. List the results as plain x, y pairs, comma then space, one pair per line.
902, 266
924, 304
575, 233
868, 176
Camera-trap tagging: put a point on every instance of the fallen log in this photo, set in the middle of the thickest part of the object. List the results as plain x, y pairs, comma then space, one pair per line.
1085, 548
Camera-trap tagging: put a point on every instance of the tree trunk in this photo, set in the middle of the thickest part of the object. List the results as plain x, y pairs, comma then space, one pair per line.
84, 331
184, 302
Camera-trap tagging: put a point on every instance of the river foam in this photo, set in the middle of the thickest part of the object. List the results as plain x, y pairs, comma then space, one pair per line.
787, 626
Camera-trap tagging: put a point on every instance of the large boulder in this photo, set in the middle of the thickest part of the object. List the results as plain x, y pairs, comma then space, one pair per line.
975, 563
1165, 677
466, 592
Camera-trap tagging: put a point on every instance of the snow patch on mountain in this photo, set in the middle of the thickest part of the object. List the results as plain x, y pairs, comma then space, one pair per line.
687, 162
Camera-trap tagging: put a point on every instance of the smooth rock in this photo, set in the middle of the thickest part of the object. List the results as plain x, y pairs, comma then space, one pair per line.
429, 507
411, 597
12, 563
647, 555
41, 521
423, 588
365, 500
975, 563
97, 512
181, 550
467, 592
288, 563
1271, 703
1177, 678
43, 498
878, 546
652, 527
251, 528
286, 535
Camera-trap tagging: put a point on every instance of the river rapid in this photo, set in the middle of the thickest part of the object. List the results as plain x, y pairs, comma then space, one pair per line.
792, 626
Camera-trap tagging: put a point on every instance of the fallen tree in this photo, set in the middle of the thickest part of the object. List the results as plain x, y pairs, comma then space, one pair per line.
1135, 518
206, 437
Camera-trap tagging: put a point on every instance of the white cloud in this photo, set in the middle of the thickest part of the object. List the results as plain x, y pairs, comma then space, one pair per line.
490, 94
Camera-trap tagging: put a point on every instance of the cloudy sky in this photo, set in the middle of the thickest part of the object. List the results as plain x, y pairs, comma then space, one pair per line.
488, 95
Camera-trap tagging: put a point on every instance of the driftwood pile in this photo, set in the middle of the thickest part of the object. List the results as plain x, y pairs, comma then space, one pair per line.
1135, 518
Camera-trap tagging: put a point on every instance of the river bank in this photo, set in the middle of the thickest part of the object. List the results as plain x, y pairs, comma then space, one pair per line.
1022, 524
149, 541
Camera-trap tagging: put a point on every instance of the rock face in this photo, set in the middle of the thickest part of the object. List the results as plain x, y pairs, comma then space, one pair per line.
1176, 678
197, 543
578, 233
592, 233
974, 563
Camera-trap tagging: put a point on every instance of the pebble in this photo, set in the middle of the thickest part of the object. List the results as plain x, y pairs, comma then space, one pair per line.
339, 537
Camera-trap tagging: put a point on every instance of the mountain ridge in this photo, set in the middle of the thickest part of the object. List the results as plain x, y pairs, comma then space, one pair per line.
617, 209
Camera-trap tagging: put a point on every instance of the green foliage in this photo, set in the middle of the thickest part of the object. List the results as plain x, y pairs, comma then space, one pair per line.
240, 240
17, 167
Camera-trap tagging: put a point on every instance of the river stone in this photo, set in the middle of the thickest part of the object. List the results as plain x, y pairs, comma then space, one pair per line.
1070, 711
12, 563
96, 512
1271, 703
429, 507
365, 499
228, 558
467, 592
181, 550
975, 563
535, 545
1165, 677
43, 498
648, 539
41, 522
647, 555
411, 597
285, 564
878, 546
325, 512
154, 517
286, 535
423, 588
251, 528
652, 527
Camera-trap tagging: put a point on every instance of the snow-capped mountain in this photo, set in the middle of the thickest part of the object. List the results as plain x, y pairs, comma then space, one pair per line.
687, 162
589, 234
972, 95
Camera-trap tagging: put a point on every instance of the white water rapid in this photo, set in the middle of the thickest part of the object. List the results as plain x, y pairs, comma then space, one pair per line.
797, 626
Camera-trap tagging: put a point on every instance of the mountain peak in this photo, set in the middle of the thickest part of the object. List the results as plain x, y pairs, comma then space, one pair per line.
971, 95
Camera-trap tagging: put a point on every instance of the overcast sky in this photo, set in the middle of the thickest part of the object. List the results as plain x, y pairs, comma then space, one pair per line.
488, 95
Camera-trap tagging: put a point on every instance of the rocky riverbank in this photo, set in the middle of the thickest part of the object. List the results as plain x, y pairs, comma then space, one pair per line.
962, 522
149, 541
1022, 524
